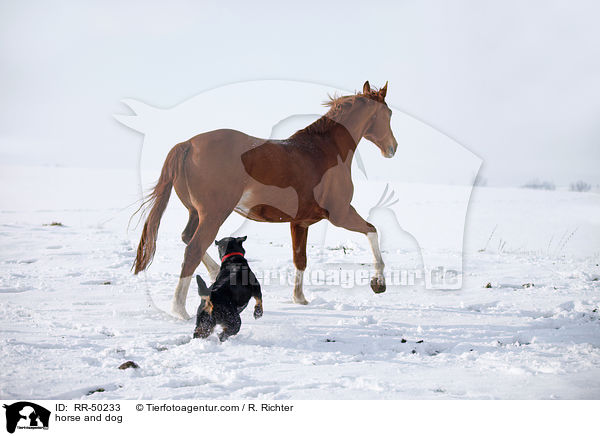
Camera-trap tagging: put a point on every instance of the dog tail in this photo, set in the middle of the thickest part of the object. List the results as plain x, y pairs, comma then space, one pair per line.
157, 200
203, 290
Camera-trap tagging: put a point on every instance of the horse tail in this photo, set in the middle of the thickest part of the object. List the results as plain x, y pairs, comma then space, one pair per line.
157, 200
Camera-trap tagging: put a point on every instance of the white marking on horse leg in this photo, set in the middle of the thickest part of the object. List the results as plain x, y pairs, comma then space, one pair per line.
212, 266
178, 307
378, 280
298, 293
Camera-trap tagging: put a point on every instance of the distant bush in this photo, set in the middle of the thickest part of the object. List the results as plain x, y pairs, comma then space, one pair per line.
580, 186
537, 184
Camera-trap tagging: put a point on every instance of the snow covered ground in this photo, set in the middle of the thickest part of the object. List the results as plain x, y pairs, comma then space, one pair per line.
71, 311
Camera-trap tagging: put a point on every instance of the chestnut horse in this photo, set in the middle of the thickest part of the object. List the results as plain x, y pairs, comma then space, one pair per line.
300, 180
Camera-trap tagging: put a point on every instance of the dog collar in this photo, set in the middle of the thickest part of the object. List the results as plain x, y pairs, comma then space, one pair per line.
236, 253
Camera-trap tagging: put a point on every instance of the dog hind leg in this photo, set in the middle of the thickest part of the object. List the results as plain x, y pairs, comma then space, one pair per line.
231, 322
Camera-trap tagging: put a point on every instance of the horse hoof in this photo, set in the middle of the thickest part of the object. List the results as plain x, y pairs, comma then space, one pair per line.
302, 301
184, 316
378, 285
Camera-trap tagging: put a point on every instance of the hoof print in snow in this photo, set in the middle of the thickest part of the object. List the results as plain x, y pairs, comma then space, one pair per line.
527, 285
489, 285
129, 364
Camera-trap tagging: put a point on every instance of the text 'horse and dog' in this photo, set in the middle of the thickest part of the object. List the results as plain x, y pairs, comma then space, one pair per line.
301, 180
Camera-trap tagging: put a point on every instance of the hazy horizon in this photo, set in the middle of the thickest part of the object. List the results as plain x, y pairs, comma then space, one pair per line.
517, 84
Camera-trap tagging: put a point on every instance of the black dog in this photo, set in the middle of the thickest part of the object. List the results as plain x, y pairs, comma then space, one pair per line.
228, 296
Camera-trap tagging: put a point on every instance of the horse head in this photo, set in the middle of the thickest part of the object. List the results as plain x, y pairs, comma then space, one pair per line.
379, 130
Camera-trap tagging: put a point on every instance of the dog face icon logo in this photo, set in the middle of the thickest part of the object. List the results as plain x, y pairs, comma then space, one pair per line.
26, 415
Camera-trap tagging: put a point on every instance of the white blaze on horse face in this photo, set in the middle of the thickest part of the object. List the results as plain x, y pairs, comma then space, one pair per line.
298, 293
178, 307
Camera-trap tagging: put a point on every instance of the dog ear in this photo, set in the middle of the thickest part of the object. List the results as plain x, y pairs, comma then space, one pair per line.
241, 238
202, 288
216, 243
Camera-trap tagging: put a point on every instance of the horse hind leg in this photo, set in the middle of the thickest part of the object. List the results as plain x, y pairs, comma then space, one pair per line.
212, 266
186, 237
205, 233
178, 305
190, 228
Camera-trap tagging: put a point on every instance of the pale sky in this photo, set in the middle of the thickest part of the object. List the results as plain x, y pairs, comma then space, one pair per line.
517, 83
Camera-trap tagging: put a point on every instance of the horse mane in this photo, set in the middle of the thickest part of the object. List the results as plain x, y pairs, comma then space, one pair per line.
337, 106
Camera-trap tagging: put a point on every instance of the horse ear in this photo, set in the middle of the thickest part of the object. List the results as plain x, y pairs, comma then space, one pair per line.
366, 88
383, 91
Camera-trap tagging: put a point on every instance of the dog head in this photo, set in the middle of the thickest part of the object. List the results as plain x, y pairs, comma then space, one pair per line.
230, 245
204, 325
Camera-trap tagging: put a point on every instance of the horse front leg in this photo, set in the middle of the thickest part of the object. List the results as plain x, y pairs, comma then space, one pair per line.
378, 280
350, 219
299, 236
